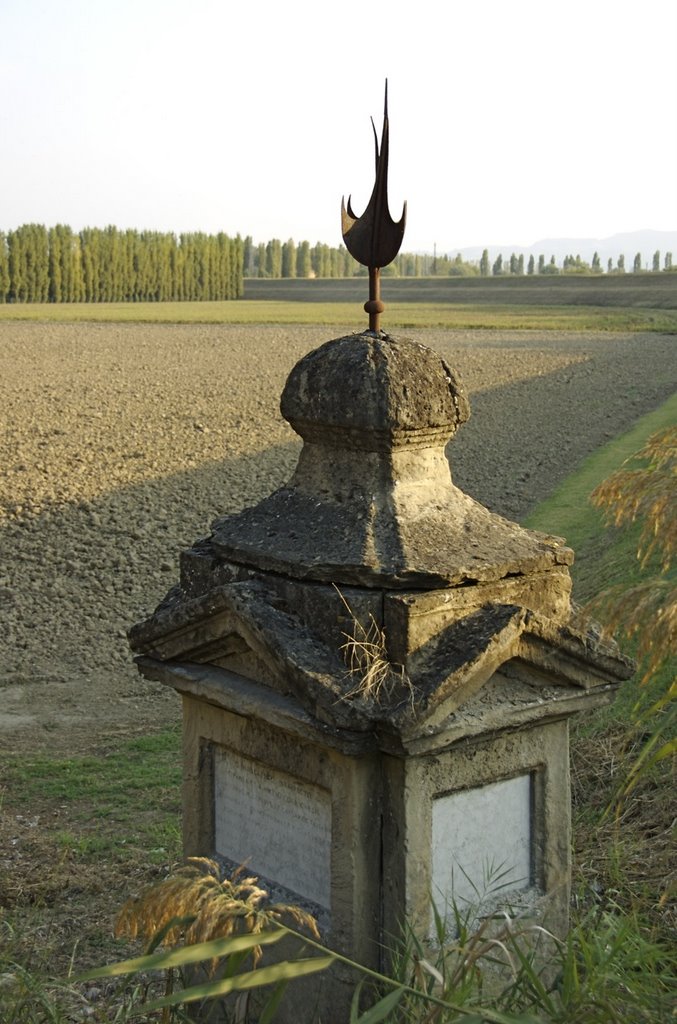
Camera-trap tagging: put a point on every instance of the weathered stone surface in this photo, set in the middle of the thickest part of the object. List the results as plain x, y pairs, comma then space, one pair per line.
432, 682
371, 502
412, 618
363, 542
212, 629
253, 700
413, 784
373, 393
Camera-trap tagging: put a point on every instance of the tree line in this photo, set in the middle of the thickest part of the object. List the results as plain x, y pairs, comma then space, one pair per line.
39, 264
275, 259
570, 265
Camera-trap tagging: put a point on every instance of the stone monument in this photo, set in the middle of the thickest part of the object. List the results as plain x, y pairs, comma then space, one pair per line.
377, 672
366, 793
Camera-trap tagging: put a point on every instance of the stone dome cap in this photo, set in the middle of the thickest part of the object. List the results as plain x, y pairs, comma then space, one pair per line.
371, 501
375, 393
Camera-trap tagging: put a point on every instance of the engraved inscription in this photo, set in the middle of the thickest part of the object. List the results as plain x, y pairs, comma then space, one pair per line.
277, 823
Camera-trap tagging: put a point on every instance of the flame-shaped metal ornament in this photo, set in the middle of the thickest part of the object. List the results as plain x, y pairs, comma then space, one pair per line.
374, 239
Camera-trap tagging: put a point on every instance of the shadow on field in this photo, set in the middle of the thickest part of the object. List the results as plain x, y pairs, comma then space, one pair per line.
525, 437
75, 577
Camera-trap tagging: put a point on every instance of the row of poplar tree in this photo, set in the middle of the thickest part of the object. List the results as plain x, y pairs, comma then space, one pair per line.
288, 259
276, 259
570, 265
39, 264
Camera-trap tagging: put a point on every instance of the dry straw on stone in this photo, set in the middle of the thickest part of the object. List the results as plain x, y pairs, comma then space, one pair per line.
365, 652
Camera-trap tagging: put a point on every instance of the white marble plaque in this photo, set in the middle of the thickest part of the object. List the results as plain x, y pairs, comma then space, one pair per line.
279, 824
482, 840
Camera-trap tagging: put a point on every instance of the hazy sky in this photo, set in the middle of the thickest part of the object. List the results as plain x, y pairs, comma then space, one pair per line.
511, 120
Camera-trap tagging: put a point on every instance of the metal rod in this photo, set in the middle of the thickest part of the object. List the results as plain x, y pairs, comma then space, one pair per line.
374, 307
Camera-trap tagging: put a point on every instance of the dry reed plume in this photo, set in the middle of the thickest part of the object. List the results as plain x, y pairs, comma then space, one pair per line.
196, 905
645, 493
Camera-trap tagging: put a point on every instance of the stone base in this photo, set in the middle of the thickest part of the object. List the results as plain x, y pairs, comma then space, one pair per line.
364, 838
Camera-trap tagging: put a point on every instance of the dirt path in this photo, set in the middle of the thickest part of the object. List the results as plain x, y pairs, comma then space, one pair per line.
120, 444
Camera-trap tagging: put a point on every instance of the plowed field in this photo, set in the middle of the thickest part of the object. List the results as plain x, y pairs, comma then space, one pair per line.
121, 443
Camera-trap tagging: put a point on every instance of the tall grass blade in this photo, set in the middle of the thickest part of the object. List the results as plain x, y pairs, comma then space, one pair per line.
381, 1009
529, 976
286, 970
185, 955
355, 1002
273, 1003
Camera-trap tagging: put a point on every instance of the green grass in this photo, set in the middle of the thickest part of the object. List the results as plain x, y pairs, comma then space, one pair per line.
140, 768
398, 315
79, 835
125, 800
605, 556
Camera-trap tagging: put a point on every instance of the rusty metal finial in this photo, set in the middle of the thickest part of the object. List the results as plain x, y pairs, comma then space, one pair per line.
374, 239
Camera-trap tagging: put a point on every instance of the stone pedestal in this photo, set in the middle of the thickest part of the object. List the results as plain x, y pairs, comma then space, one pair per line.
378, 673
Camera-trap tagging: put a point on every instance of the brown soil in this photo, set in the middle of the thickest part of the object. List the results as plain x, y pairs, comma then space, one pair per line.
123, 442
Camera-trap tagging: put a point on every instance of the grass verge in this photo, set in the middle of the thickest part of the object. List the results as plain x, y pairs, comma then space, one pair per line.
398, 315
627, 857
603, 556
78, 834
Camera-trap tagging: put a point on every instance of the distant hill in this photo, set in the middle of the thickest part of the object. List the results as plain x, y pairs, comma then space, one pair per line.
627, 243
